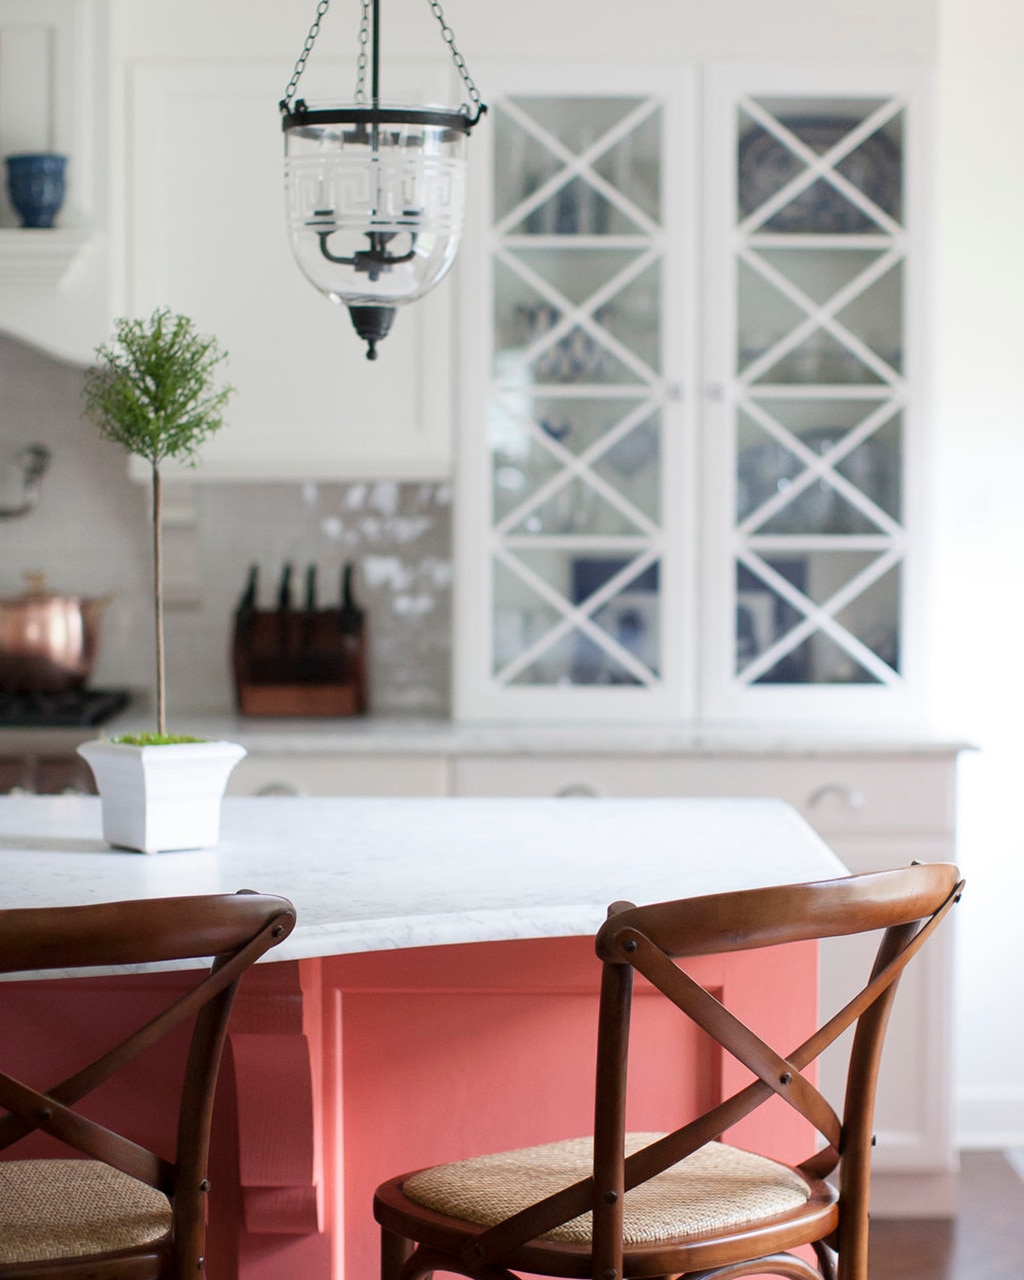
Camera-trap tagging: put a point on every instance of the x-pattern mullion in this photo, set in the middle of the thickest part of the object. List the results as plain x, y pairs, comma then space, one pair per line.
821, 166
579, 166
576, 616
580, 467
581, 316
819, 617
818, 467
815, 618
821, 316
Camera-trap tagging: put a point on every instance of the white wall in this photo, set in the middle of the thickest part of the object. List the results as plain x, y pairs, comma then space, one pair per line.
978, 534
645, 31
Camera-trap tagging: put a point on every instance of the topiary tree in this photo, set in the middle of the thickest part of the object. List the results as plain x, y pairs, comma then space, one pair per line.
152, 391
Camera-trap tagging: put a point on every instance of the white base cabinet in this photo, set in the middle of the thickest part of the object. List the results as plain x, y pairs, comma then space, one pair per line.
348, 775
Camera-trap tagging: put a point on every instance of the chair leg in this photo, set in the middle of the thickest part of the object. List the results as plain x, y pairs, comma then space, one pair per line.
420, 1262
395, 1251
826, 1259
787, 1265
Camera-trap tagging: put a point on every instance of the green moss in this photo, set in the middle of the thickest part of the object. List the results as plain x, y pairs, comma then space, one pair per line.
154, 739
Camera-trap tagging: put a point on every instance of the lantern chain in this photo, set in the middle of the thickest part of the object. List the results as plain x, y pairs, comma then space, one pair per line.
448, 35
307, 49
364, 44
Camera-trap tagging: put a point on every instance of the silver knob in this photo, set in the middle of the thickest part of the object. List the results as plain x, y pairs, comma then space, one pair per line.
853, 798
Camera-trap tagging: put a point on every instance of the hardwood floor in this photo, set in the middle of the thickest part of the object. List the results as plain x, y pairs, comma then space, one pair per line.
984, 1242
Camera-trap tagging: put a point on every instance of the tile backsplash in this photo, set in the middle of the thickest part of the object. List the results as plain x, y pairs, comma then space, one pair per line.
90, 535
398, 536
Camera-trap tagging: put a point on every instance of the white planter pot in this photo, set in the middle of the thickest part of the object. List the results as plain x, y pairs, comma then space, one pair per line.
155, 799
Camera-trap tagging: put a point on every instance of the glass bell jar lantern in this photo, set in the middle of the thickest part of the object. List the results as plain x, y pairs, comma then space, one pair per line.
375, 192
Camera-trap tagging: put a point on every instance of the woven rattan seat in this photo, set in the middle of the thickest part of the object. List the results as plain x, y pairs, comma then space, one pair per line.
683, 1203
72, 1208
717, 1188
105, 1205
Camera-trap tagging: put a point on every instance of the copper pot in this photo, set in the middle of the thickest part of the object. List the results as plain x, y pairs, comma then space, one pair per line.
48, 642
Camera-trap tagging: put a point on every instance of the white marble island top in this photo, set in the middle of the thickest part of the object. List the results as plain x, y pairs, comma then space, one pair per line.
378, 874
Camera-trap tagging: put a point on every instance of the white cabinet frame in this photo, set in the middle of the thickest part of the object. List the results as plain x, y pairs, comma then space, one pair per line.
898, 695
705, 248
483, 689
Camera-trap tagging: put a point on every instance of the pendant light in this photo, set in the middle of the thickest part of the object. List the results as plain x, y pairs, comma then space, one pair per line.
375, 191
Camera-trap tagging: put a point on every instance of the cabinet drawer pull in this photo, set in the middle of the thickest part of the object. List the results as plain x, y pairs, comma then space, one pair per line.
854, 799
578, 789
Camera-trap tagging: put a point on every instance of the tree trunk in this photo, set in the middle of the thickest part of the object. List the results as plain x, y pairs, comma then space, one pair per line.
158, 600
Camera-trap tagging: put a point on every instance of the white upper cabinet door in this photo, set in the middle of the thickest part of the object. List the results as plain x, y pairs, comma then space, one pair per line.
589, 472
208, 238
574, 535
814, 263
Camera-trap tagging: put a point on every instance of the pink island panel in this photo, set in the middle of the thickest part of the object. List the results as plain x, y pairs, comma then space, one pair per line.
407, 1058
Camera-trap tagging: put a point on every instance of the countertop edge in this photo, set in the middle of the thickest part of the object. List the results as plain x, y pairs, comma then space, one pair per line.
382, 736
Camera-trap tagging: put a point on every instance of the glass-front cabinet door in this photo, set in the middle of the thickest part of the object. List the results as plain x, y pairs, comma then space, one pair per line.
574, 445
633, 542
812, 218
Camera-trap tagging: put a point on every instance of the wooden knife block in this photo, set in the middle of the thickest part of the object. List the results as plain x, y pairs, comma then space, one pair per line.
298, 664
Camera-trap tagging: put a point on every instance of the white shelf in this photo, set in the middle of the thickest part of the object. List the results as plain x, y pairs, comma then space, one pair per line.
38, 256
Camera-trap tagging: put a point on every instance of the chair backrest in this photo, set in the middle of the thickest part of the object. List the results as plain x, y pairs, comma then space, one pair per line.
906, 905
229, 932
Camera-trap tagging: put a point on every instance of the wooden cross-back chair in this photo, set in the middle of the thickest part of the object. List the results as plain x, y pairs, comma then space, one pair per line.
685, 1203
113, 1209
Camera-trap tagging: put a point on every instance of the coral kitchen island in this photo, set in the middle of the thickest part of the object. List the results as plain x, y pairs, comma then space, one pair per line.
437, 998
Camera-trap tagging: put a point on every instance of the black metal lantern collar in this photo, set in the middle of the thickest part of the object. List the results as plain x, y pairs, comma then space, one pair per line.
370, 121
300, 113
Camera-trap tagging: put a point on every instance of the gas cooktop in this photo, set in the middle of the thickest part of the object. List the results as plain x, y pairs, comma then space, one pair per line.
76, 708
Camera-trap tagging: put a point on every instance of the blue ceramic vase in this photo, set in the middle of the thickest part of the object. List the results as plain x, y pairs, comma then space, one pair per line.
35, 183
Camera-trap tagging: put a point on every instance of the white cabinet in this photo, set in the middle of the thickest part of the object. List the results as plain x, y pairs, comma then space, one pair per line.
915, 1153
605, 487
814, 210
339, 775
574, 554
208, 238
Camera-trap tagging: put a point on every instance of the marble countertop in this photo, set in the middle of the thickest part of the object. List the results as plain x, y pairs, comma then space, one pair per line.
379, 874
264, 736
